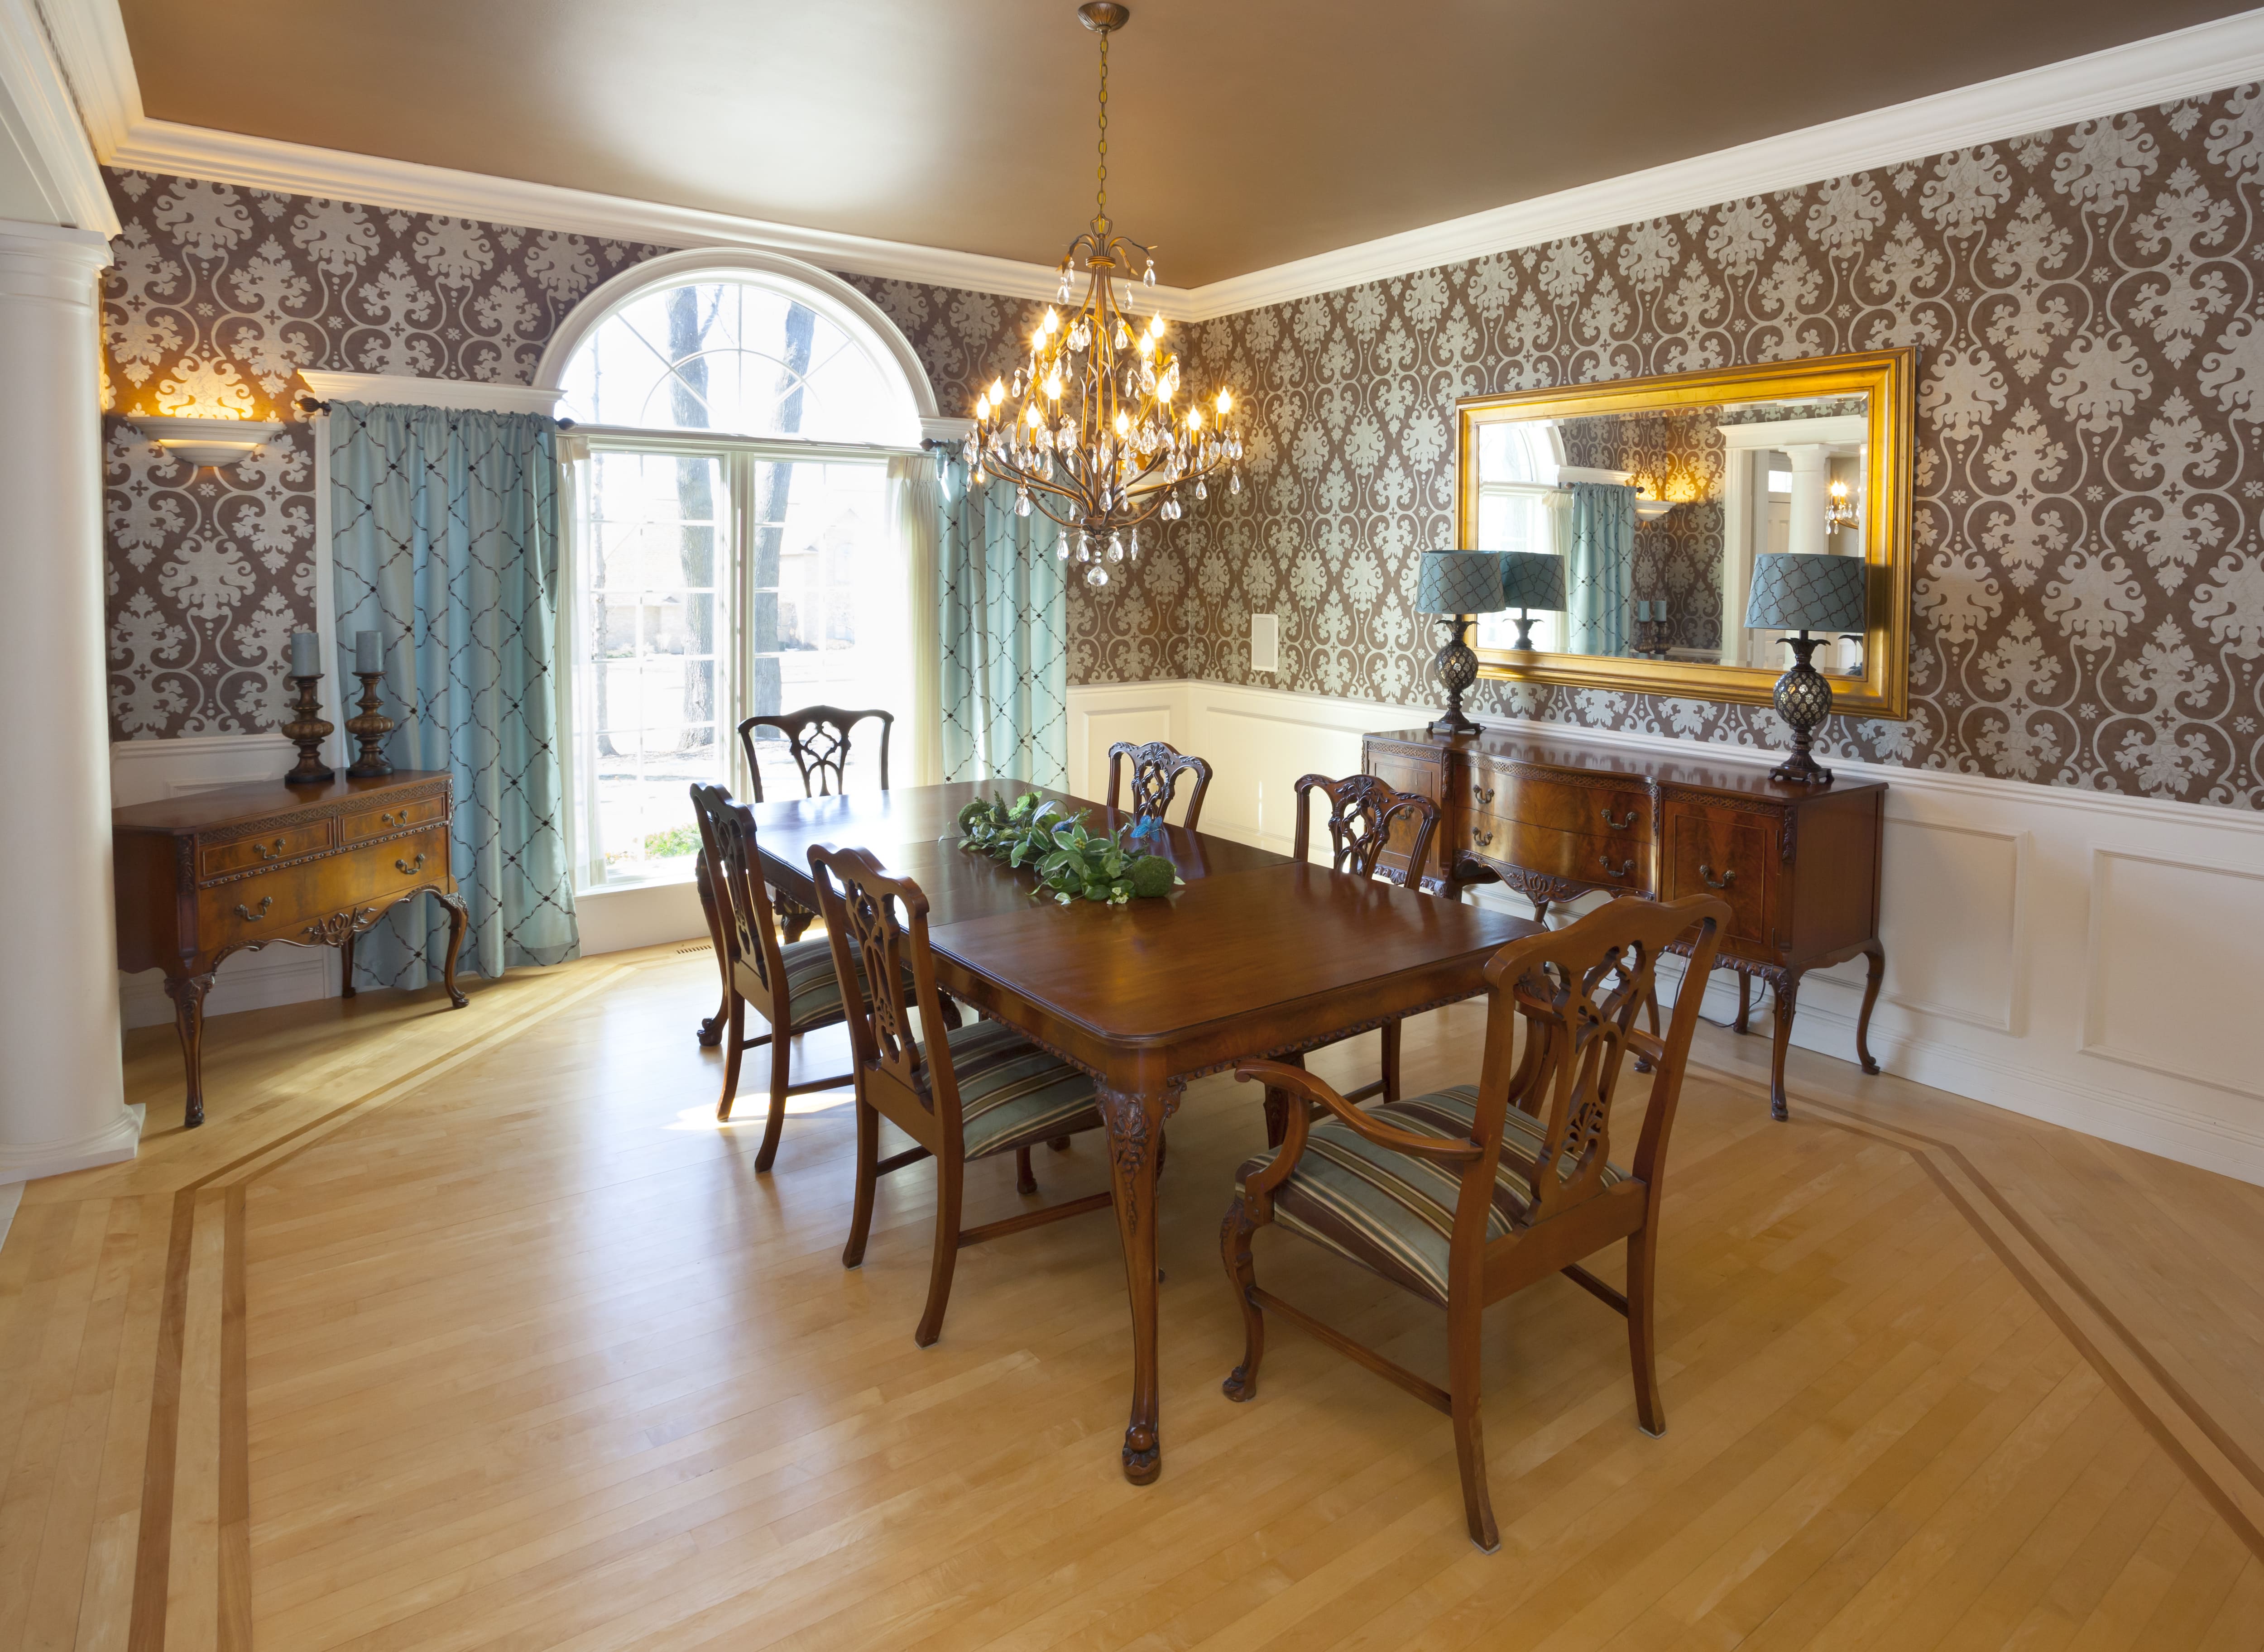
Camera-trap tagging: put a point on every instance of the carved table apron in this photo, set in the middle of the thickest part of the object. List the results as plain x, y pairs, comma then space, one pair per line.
1256, 955
242, 867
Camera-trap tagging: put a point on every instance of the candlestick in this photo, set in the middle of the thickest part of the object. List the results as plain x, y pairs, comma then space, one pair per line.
371, 726
368, 658
306, 731
306, 654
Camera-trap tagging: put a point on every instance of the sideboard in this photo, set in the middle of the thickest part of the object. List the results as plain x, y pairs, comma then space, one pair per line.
1799, 866
240, 868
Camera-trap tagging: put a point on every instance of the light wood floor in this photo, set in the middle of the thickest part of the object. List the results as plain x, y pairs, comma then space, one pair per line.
457, 1331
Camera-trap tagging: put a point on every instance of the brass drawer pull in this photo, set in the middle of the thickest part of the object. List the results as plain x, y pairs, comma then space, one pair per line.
250, 917
1482, 839
1481, 796
1619, 825
265, 853
1721, 882
1621, 869
417, 865
388, 820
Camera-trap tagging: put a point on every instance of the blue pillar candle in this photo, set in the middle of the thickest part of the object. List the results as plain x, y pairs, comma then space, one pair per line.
306, 654
367, 659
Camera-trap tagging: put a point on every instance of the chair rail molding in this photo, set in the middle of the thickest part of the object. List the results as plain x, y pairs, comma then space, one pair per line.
2026, 927
2204, 58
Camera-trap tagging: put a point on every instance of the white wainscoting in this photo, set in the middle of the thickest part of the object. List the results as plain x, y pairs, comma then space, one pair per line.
2030, 931
142, 771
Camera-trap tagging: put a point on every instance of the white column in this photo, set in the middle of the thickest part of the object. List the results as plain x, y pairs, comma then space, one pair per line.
1811, 476
62, 1088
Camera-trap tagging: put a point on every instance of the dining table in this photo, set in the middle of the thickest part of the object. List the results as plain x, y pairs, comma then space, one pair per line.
1254, 955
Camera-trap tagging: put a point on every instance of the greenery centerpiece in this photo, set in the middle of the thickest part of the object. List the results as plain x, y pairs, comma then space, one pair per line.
1072, 862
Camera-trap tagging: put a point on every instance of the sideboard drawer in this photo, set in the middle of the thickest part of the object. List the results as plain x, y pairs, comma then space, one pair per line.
379, 823
269, 848
1566, 805
1730, 853
246, 910
1609, 863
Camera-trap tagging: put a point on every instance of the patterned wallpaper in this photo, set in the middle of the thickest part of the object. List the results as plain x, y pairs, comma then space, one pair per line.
2090, 474
220, 295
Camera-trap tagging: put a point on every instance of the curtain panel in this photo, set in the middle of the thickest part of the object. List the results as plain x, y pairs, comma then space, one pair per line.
445, 542
1002, 609
1600, 526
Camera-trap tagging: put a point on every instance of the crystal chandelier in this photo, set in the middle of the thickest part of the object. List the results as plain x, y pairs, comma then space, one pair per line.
1093, 432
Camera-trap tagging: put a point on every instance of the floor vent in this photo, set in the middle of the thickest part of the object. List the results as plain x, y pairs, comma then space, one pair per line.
704, 946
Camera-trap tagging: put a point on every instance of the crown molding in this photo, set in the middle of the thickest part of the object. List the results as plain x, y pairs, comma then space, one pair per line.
2205, 58
38, 112
404, 390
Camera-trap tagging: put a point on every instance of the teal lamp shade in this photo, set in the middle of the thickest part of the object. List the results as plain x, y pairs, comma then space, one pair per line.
1532, 579
1806, 591
1459, 581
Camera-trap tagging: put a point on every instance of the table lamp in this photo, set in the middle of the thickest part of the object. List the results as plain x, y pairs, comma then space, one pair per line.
1453, 585
1806, 591
1530, 580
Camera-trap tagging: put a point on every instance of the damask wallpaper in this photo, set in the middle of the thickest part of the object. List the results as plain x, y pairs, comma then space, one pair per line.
220, 295
2089, 606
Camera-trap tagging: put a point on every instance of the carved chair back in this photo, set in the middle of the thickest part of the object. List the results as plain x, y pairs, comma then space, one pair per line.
1156, 771
1363, 813
750, 929
878, 924
817, 739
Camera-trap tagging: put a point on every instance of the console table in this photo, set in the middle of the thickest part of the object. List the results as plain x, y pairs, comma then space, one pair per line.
1799, 866
241, 868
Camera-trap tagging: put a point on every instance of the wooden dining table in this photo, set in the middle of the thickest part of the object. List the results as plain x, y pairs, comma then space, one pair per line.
1257, 955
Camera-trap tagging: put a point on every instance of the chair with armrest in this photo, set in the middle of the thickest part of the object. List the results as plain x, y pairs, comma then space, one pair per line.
817, 738
1366, 817
1156, 771
791, 986
960, 1092
1467, 1195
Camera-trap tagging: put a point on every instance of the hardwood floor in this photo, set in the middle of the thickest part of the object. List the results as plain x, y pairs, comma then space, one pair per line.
474, 1331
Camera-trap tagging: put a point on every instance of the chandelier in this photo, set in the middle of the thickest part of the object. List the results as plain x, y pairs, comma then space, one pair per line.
1093, 432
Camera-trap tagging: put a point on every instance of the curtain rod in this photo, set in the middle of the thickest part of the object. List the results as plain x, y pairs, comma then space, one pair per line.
308, 404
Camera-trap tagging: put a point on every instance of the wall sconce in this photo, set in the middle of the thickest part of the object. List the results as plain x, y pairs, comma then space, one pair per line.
1839, 508
1648, 507
219, 443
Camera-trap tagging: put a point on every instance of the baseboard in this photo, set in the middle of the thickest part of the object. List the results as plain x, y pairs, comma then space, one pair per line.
112, 1144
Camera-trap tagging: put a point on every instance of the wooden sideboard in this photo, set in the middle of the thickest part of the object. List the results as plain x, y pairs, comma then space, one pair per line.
1799, 866
241, 868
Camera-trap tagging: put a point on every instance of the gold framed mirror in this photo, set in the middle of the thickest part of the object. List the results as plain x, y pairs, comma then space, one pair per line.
1655, 494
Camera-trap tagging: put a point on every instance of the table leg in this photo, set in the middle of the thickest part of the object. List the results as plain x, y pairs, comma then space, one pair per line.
187, 992
458, 918
1875, 973
1787, 992
1744, 1001
345, 966
1135, 1119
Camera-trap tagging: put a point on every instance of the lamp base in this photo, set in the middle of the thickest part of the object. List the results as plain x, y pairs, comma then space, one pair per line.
1804, 700
1457, 665
1524, 643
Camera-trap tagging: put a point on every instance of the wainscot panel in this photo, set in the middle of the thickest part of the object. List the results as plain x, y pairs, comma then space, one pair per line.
2028, 928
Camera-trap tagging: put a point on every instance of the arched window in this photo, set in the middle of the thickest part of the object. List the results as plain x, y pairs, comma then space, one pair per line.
735, 547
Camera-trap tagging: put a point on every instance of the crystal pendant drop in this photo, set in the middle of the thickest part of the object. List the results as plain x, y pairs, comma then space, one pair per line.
1022, 501
1096, 576
1123, 339
1063, 296
1171, 510
1116, 548
1084, 548
1234, 482
1149, 279
1201, 492
1135, 544
1060, 548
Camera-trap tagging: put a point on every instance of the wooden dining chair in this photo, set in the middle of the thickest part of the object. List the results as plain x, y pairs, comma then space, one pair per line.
973, 1092
1468, 1194
1363, 813
1156, 771
793, 987
817, 738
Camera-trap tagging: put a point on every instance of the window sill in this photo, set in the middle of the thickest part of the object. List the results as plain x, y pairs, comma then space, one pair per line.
627, 885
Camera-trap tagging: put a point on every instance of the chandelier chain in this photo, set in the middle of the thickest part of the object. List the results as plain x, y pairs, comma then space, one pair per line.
1103, 200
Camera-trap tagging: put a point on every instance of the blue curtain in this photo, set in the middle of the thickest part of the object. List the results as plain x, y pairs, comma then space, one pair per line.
1005, 652
1598, 559
445, 537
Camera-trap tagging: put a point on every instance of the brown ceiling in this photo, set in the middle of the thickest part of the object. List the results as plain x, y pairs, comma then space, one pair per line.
1243, 133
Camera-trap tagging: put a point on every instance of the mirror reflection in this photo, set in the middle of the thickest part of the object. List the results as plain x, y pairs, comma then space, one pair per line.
1655, 517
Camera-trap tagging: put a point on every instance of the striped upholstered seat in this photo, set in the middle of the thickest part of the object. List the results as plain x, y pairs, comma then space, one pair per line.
1392, 1212
1012, 1093
811, 986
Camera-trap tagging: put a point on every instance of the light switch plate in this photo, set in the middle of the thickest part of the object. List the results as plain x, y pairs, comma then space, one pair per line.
1264, 642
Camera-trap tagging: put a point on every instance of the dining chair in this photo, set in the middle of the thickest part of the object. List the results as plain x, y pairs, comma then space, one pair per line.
1156, 771
1468, 1194
1363, 813
793, 987
817, 738
974, 1092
